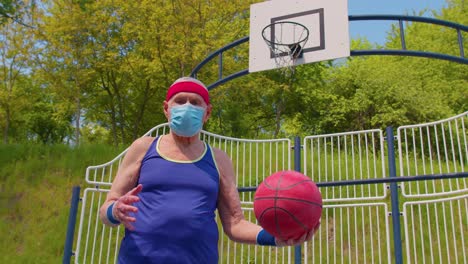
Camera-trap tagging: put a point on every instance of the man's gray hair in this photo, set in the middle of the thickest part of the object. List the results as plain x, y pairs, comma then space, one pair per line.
190, 79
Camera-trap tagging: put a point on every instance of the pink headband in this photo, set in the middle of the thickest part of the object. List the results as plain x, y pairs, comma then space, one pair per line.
190, 87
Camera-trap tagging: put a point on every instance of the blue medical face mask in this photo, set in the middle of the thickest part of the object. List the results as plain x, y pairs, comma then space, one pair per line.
186, 120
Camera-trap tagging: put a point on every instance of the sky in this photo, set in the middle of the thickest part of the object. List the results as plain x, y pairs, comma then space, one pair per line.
376, 31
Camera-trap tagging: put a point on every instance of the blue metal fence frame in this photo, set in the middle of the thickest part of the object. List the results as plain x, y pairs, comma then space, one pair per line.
394, 198
297, 167
403, 51
68, 250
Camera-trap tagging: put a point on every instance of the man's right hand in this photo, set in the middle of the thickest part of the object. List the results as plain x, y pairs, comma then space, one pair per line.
124, 205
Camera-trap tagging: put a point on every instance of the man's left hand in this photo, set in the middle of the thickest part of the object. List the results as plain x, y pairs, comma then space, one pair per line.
295, 242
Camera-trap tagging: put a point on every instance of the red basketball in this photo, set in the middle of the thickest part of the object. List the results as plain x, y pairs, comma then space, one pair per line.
288, 204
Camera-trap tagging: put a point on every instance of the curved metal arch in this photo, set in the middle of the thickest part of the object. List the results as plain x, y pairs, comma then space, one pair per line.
402, 52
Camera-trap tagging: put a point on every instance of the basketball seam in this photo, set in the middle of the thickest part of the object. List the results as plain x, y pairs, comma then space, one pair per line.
285, 188
286, 211
278, 183
287, 198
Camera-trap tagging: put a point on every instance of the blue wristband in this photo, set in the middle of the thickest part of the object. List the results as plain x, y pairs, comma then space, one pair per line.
265, 239
110, 216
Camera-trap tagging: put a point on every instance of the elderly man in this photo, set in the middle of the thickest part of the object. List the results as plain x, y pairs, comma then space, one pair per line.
168, 188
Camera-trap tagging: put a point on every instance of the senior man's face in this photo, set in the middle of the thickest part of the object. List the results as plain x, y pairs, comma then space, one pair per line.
184, 98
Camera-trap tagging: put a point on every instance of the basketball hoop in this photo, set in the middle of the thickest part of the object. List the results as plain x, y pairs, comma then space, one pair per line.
286, 41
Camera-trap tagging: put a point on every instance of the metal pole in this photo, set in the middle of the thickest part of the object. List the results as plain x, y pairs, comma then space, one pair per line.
394, 197
220, 66
68, 251
297, 167
460, 43
402, 35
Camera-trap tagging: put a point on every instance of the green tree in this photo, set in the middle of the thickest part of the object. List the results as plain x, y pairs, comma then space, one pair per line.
375, 92
15, 11
14, 64
116, 59
268, 103
63, 56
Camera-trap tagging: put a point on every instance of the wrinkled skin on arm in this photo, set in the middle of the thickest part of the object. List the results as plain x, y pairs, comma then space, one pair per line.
124, 191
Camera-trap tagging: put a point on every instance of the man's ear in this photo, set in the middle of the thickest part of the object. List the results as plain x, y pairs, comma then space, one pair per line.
166, 109
209, 107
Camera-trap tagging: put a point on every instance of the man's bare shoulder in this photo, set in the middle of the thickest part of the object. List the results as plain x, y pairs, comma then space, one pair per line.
222, 160
140, 145
220, 155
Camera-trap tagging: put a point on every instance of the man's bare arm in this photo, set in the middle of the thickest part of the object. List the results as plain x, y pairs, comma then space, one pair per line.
123, 186
236, 227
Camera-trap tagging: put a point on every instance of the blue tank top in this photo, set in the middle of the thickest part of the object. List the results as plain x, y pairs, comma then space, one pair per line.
175, 222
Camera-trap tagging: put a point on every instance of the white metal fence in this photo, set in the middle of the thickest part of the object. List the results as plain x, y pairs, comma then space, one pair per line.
434, 148
351, 233
354, 155
436, 231
357, 232
356, 224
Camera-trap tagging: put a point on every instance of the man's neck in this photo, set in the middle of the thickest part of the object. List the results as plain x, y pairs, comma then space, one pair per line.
184, 142
181, 148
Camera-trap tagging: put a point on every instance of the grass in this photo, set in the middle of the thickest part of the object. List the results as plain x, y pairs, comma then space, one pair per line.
35, 190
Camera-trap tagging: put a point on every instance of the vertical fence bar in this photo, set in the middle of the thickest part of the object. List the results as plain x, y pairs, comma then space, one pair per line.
297, 167
220, 66
394, 197
71, 225
460, 43
402, 35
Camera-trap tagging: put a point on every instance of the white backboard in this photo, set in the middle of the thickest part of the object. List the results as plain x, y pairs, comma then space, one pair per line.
326, 21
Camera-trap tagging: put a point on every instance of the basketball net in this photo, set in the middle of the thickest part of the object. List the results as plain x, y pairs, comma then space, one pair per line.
286, 40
